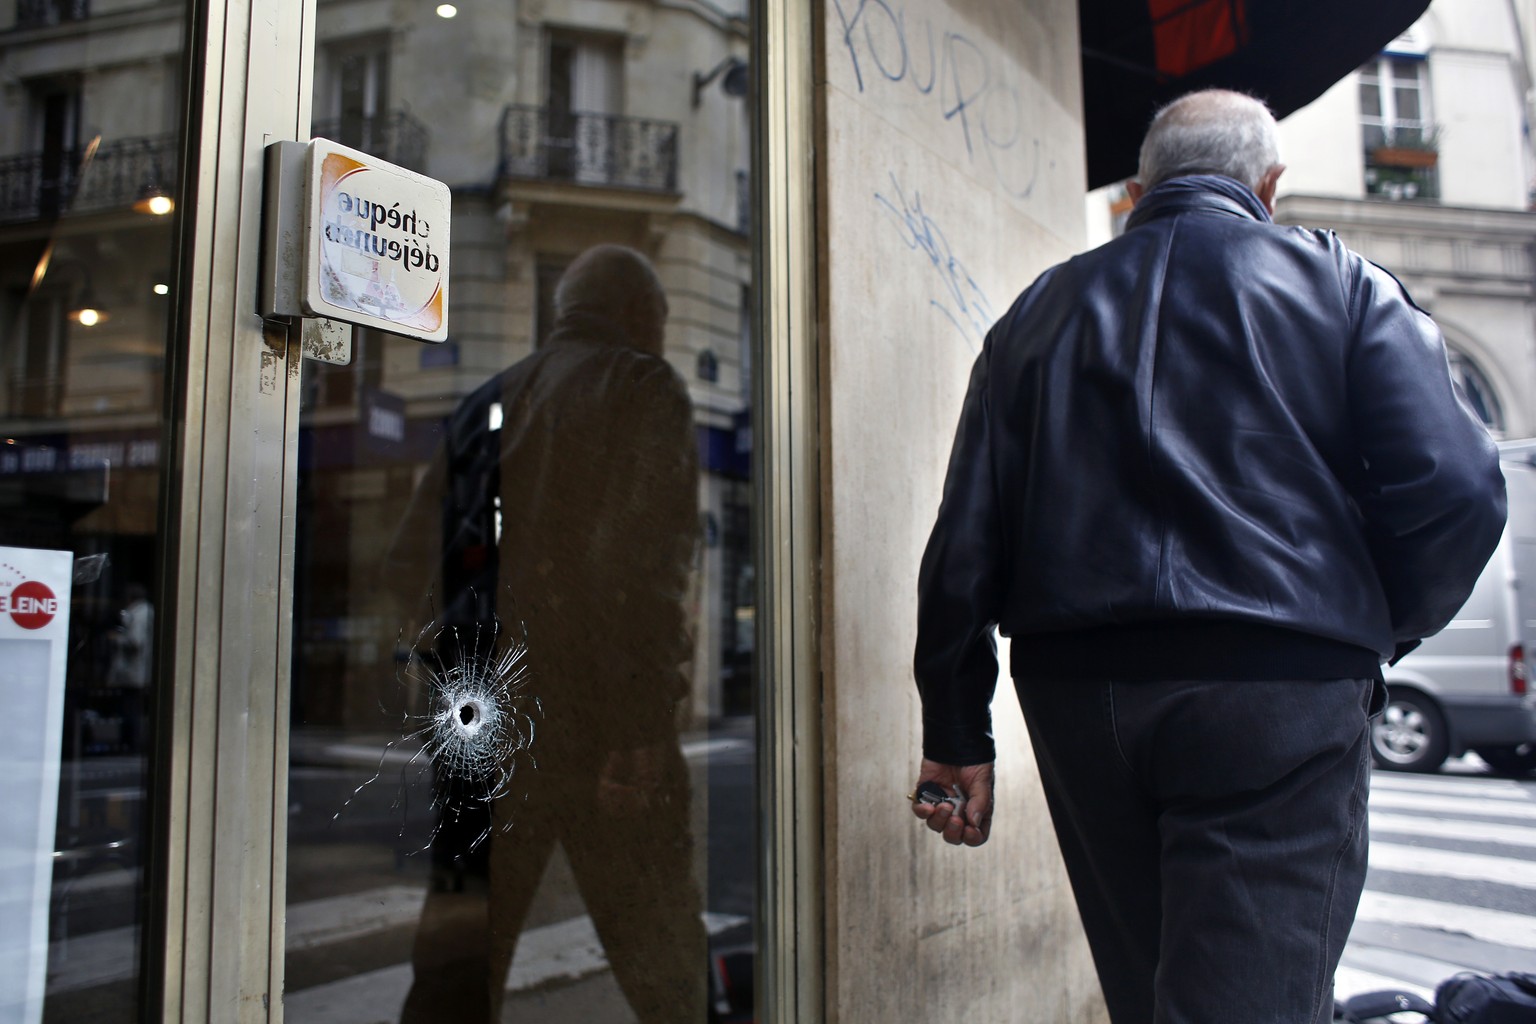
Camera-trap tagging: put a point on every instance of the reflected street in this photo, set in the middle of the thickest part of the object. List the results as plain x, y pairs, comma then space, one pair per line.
353, 910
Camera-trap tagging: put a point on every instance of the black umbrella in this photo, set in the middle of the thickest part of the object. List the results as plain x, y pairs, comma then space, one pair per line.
1140, 54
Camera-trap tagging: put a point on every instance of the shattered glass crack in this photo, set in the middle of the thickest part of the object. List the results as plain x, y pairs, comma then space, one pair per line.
475, 729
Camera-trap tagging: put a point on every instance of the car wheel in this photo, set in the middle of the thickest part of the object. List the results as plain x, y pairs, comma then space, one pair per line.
1519, 760
1409, 735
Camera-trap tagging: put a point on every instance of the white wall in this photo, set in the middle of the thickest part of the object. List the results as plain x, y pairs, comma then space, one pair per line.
1477, 105
932, 219
1320, 145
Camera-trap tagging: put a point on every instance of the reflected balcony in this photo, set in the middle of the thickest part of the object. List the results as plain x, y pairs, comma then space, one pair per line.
90, 179
394, 136
588, 149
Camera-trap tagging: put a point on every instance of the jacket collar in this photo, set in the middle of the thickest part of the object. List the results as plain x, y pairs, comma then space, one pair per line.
588, 328
1211, 192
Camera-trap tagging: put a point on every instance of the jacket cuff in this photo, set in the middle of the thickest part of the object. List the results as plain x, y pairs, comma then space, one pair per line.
959, 744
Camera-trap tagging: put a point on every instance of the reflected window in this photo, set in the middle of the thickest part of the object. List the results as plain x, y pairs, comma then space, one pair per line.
584, 93
1475, 387
56, 136
37, 363
356, 107
362, 83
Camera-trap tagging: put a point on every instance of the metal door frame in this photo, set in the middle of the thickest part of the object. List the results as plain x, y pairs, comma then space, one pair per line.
787, 490
223, 757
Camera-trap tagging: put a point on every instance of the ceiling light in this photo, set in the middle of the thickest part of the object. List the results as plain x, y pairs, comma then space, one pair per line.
447, 11
154, 202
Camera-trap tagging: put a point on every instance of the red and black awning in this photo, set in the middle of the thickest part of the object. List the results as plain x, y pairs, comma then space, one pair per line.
1139, 54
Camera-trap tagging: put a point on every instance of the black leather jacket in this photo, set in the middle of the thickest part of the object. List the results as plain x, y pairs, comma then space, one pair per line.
1236, 436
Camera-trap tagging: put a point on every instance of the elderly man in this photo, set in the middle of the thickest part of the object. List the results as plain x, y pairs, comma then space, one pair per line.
1207, 476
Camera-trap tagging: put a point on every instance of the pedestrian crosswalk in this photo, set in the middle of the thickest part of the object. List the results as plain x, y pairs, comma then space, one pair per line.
1451, 886
1501, 927
1465, 829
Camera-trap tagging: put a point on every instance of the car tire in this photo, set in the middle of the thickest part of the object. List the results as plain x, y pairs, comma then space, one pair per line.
1410, 734
1520, 760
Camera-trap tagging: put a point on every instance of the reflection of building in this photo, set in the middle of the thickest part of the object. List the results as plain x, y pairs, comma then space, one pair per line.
598, 133
1421, 161
603, 124
88, 159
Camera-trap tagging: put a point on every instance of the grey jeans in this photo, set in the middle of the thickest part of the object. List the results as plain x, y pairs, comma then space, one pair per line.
1215, 837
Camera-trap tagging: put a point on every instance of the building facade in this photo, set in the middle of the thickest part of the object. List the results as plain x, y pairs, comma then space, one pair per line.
1422, 162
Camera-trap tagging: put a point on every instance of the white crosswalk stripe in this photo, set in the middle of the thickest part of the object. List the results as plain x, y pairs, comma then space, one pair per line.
1498, 789
1485, 807
1517, 931
1452, 883
1470, 867
1461, 829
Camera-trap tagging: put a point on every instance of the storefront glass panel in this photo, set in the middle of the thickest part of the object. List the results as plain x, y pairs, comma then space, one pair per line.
90, 141
522, 758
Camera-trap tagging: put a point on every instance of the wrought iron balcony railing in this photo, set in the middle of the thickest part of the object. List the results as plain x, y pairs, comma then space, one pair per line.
396, 136
40, 13
50, 184
589, 149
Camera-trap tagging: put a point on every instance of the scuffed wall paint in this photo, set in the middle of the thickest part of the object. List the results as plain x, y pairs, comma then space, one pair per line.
951, 174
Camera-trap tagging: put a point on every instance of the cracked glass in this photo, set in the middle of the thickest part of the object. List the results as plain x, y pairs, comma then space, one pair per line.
522, 756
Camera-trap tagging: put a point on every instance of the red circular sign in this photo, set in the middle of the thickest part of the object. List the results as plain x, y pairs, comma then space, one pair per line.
33, 605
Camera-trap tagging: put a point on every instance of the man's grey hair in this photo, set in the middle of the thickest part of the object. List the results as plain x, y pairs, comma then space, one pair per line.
1213, 131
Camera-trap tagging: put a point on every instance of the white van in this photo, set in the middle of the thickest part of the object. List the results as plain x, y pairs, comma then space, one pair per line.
1468, 687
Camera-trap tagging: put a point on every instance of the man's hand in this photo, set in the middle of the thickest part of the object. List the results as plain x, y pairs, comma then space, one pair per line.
972, 823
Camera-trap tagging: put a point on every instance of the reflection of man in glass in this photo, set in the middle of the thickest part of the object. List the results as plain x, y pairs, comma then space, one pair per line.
598, 519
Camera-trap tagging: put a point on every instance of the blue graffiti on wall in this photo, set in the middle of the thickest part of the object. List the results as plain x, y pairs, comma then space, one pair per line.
961, 300
951, 71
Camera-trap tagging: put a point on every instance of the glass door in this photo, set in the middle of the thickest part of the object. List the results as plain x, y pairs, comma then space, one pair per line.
90, 162
521, 765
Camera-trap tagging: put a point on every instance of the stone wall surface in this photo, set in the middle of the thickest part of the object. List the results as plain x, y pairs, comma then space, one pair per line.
951, 174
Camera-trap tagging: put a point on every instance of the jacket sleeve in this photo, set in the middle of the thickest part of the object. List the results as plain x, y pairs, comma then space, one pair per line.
959, 594
1431, 492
